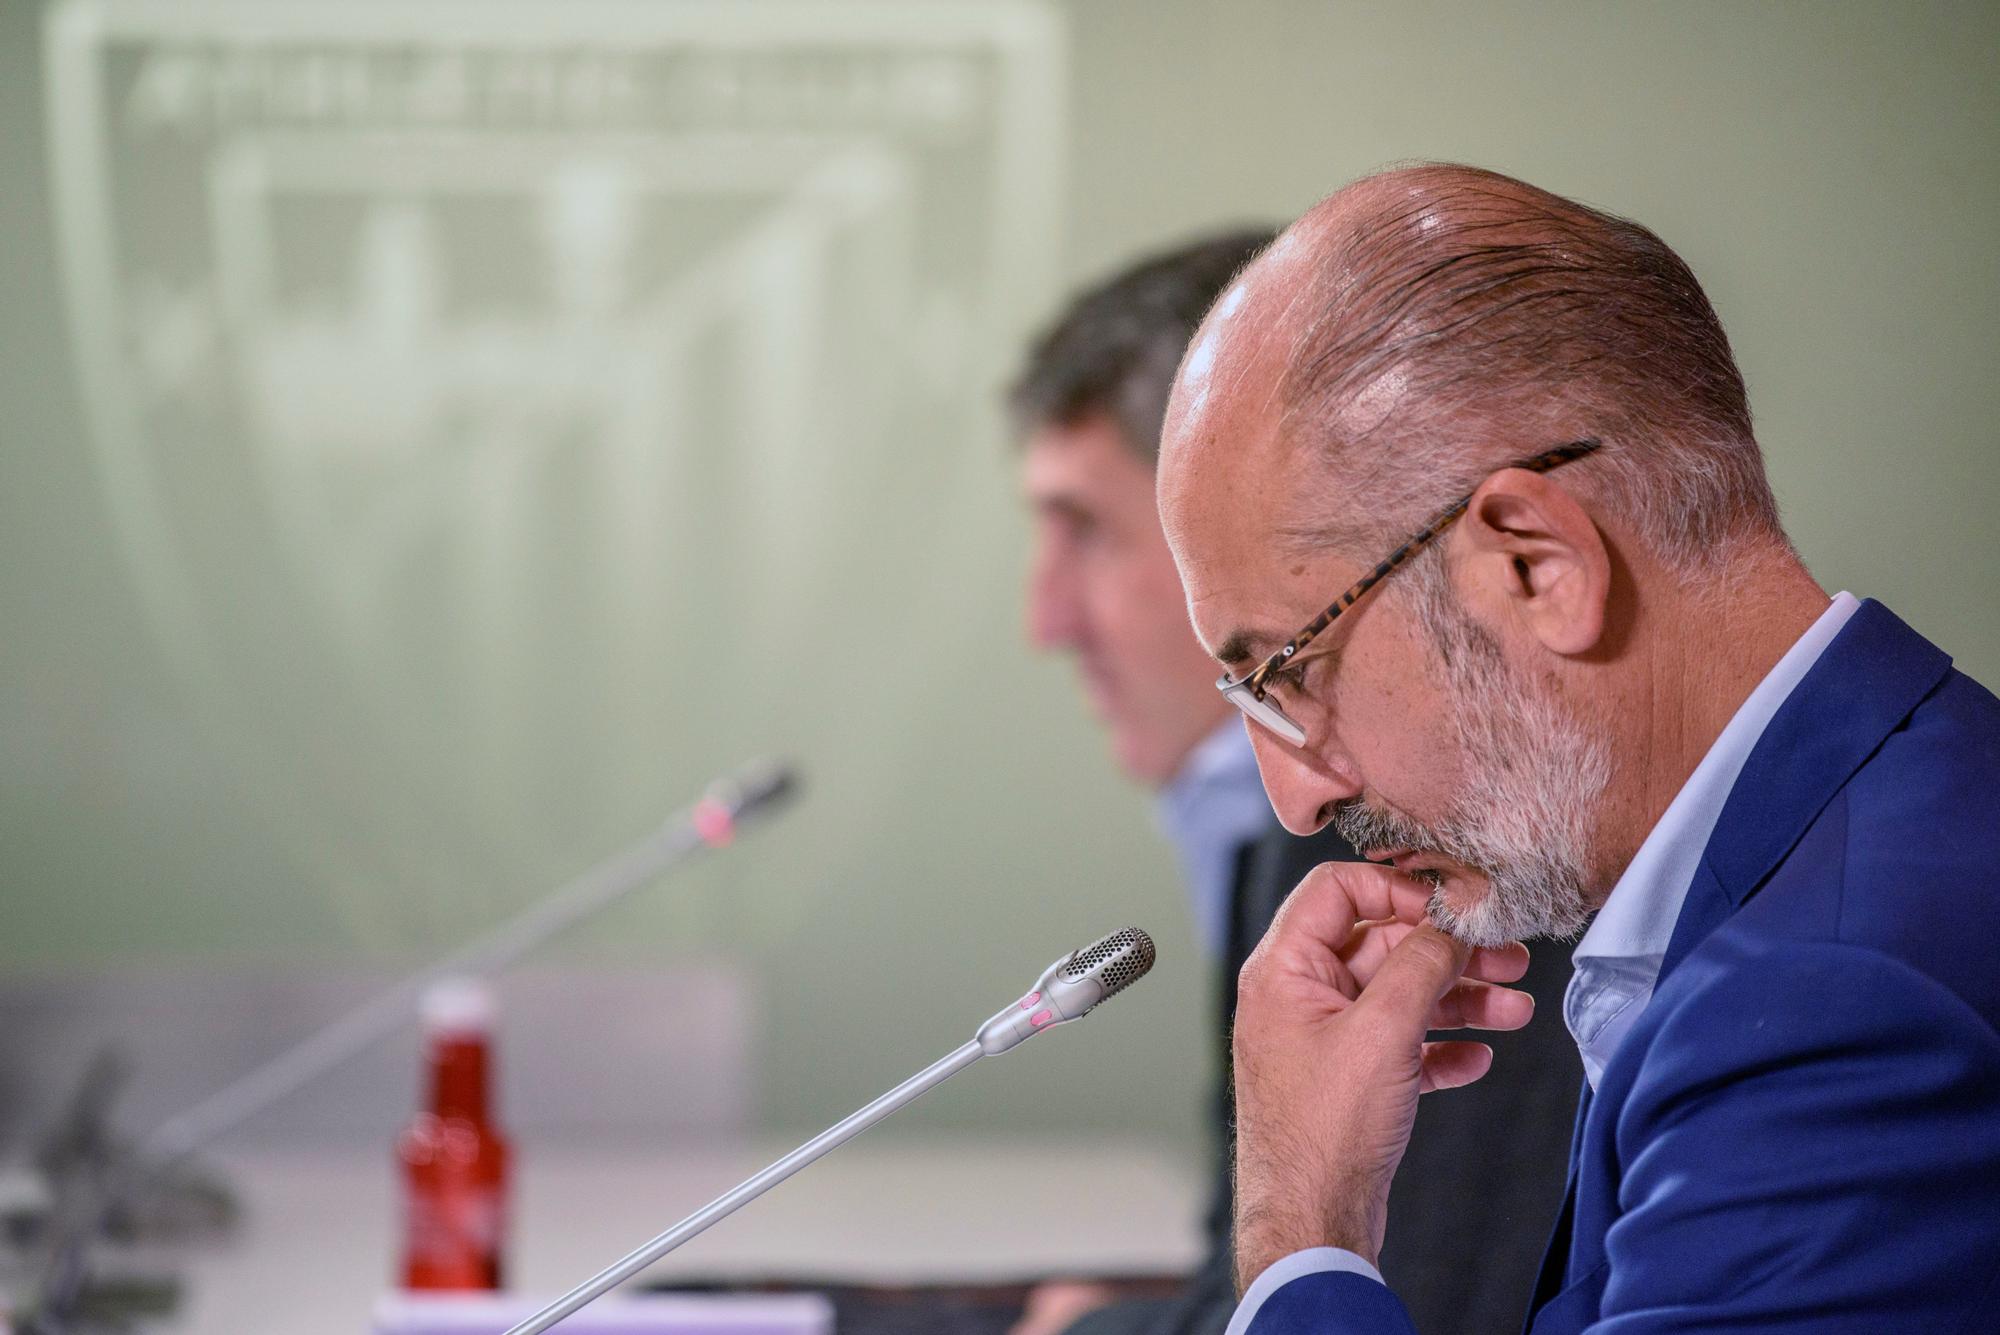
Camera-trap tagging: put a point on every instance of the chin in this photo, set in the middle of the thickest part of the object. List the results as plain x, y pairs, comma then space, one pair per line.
1461, 892
1480, 912
1455, 891
1461, 905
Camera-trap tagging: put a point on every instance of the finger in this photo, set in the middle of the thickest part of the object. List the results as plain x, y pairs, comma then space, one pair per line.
1449, 1065
1482, 1006
1424, 965
1499, 964
1324, 908
1371, 943
1410, 898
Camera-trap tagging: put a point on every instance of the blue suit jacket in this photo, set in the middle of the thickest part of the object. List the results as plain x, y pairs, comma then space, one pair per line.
1802, 1132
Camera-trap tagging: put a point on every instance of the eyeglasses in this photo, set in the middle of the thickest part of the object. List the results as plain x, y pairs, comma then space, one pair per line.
1248, 693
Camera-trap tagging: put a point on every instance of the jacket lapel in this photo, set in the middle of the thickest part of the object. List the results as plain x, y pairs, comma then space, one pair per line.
1555, 1260
1862, 688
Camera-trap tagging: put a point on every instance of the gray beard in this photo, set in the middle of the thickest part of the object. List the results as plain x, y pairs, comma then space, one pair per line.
1523, 819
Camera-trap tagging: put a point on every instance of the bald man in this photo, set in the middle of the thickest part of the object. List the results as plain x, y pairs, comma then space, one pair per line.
1462, 489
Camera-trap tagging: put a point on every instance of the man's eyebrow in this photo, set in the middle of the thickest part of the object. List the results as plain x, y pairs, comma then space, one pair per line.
1247, 646
1062, 503
1237, 648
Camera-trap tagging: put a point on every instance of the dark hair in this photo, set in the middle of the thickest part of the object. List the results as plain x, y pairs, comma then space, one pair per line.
1115, 347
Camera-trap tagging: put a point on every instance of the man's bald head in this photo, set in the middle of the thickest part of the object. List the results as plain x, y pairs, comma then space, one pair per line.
1424, 326
1503, 715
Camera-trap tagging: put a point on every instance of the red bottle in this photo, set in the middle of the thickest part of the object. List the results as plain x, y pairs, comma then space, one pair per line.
453, 1157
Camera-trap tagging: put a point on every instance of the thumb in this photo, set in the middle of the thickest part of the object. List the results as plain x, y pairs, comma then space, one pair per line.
1416, 975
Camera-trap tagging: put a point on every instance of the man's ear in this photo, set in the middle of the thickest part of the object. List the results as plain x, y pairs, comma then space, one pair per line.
1529, 550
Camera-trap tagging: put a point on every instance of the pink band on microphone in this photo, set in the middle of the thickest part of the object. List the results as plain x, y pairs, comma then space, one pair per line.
713, 823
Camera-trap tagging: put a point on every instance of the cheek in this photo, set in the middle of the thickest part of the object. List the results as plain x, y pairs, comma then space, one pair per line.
1142, 611
1099, 587
1397, 724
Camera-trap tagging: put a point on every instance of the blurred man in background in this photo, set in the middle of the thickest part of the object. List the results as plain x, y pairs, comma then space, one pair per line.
1088, 409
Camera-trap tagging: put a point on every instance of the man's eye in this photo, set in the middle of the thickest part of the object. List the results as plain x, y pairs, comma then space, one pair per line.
1290, 680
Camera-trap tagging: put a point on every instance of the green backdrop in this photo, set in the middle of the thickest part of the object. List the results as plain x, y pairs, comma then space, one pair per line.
432, 440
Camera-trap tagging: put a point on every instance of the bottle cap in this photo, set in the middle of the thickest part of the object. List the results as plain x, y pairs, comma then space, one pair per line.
459, 1006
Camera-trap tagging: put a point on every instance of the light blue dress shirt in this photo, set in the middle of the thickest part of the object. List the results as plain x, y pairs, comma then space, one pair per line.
1214, 805
1618, 960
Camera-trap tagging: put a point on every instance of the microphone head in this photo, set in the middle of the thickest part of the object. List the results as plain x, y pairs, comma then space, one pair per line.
756, 791
749, 791
1071, 988
1114, 962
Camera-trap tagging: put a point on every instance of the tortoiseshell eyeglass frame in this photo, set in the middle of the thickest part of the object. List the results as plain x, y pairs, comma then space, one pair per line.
1247, 693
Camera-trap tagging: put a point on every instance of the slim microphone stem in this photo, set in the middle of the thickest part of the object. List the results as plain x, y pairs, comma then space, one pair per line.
1068, 990
367, 1024
729, 1202
708, 823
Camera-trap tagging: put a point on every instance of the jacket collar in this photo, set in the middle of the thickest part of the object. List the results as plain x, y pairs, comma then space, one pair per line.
1867, 682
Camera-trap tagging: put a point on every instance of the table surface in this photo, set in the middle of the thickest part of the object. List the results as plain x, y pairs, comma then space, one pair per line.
317, 1242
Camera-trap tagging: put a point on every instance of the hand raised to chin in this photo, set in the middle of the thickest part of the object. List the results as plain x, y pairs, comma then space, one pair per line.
1330, 1056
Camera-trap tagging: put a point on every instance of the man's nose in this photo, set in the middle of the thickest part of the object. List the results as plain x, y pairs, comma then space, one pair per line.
1055, 606
1303, 784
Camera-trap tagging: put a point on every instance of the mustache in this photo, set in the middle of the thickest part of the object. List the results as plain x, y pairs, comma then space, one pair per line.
1378, 827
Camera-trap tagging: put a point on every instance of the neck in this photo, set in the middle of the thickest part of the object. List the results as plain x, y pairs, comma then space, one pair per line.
1701, 654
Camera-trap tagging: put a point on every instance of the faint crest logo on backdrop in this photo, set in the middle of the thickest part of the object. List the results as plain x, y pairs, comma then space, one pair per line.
436, 353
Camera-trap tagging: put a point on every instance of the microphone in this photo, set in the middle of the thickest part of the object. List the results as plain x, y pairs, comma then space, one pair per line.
709, 823
1068, 990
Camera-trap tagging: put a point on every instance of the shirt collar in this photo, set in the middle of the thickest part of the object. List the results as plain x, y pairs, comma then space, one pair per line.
1638, 918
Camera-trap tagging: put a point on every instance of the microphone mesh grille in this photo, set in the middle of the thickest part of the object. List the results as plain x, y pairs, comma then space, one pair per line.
1125, 956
